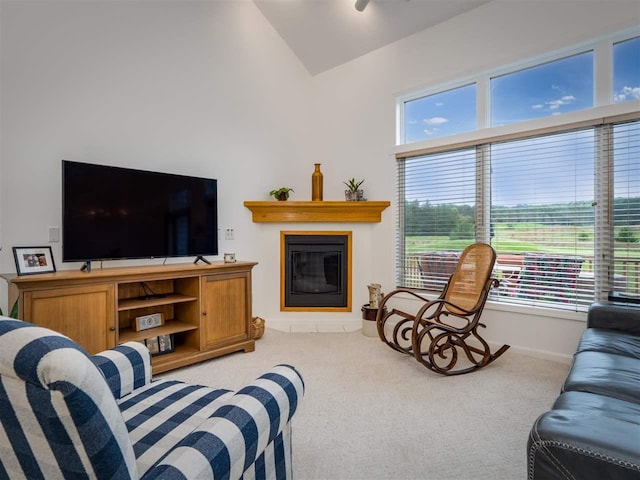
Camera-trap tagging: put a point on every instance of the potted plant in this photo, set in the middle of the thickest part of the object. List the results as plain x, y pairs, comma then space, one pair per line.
281, 194
354, 193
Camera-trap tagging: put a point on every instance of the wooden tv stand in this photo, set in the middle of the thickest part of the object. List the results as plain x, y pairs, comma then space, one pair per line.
207, 308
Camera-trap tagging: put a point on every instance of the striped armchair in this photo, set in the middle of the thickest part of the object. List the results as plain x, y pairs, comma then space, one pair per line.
65, 414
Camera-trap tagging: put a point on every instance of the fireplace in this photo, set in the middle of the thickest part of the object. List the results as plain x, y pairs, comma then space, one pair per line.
315, 271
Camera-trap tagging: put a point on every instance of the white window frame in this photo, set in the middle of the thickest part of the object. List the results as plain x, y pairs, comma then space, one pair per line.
604, 108
602, 95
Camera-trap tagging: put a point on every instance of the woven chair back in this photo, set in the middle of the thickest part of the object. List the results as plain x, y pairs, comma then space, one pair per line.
470, 278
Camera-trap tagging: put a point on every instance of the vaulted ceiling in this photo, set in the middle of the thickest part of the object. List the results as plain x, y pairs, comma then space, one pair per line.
327, 33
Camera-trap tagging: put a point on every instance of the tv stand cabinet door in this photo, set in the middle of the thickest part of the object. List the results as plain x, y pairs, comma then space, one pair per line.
226, 312
85, 314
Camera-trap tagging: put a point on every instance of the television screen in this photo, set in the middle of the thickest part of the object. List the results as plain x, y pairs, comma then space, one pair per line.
115, 213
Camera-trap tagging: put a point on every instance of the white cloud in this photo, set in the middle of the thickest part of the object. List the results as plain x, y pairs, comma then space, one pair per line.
555, 104
627, 93
439, 104
428, 131
435, 121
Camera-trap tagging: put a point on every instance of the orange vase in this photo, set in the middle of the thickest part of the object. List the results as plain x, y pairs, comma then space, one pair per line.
316, 184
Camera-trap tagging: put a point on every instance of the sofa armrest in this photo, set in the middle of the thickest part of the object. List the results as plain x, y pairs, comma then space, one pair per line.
615, 316
125, 367
237, 433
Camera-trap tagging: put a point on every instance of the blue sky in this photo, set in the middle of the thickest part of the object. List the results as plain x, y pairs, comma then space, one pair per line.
550, 89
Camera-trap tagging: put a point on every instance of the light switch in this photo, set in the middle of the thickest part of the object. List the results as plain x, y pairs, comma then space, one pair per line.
54, 234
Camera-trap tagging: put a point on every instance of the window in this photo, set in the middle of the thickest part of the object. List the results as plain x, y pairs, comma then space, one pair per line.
626, 70
445, 113
547, 194
439, 213
626, 235
553, 88
541, 203
542, 190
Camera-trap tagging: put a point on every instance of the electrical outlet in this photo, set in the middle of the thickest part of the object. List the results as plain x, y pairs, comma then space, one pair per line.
228, 234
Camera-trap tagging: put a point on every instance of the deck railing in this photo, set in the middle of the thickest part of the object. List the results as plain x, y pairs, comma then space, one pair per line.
627, 272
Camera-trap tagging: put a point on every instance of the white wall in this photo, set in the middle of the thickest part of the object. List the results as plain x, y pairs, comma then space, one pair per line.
208, 88
196, 88
356, 114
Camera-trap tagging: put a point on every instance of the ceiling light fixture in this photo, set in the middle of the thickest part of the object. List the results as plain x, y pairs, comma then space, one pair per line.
361, 5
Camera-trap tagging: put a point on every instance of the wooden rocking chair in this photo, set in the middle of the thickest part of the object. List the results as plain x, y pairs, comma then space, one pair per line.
448, 324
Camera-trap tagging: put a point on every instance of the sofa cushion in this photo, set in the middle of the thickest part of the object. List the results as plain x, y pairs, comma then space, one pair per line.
609, 341
572, 444
607, 374
600, 405
615, 316
161, 414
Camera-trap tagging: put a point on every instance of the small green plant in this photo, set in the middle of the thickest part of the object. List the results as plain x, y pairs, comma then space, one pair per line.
14, 311
352, 185
281, 193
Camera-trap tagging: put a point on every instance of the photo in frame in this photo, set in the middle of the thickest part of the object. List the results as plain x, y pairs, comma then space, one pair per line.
160, 345
165, 343
32, 260
152, 345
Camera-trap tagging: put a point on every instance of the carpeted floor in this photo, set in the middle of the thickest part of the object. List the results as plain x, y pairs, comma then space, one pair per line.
372, 413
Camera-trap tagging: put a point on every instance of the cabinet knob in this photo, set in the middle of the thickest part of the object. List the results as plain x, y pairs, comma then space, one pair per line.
204, 314
112, 329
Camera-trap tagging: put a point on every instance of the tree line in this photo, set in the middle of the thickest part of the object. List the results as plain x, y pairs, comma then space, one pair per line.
457, 221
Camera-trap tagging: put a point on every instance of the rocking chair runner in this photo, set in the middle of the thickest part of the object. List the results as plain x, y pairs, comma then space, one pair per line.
449, 323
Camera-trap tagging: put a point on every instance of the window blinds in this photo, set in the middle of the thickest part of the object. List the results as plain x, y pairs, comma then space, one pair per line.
543, 204
626, 208
542, 212
438, 195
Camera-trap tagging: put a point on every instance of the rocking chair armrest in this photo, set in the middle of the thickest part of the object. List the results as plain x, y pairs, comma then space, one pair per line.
402, 290
388, 296
445, 303
436, 322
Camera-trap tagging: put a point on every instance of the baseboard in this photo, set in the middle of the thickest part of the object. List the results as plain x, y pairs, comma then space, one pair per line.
541, 354
319, 326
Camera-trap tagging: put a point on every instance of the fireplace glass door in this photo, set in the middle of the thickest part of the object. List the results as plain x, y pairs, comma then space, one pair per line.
315, 271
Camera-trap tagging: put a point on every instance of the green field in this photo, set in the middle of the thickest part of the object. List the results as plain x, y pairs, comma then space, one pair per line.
529, 237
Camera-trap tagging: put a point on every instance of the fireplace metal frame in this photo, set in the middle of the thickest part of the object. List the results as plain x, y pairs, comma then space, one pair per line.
283, 235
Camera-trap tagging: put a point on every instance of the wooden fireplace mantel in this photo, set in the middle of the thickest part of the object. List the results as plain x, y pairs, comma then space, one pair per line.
329, 211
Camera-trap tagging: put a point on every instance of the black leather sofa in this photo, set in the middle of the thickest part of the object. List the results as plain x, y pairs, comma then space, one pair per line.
593, 428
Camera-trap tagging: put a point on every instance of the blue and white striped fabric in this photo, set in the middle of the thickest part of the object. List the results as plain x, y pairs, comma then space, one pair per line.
125, 367
248, 437
64, 414
58, 418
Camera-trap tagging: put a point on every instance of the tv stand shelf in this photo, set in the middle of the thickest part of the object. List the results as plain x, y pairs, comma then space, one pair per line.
206, 308
129, 335
133, 303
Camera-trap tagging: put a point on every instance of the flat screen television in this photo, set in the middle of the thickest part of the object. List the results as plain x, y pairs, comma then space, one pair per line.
120, 213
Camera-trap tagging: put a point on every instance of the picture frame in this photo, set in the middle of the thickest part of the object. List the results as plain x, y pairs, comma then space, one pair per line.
165, 343
152, 345
160, 345
33, 260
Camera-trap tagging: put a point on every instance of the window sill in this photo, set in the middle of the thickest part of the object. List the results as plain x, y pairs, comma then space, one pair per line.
537, 311
530, 310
